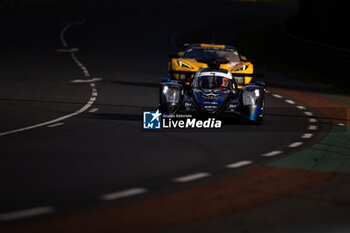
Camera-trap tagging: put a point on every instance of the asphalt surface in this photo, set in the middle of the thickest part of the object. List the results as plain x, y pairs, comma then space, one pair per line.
65, 145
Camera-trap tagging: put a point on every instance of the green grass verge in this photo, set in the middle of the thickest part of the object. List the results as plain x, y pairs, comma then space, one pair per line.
330, 155
266, 47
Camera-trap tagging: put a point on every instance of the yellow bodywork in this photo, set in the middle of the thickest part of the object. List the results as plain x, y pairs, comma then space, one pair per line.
185, 64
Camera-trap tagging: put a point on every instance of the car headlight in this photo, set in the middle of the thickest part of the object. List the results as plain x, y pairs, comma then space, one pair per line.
172, 94
240, 68
239, 80
182, 77
183, 64
250, 98
165, 89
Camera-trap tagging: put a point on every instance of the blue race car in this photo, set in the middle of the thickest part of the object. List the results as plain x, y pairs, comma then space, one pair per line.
213, 92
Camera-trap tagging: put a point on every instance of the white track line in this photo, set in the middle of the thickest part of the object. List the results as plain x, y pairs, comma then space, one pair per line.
68, 26
272, 153
26, 213
312, 120
123, 194
82, 67
312, 127
295, 144
290, 101
191, 177
94, 110
92, 80
277, 96
62, 35
308, 113
81, 110
239, 164
71, 50
55, 125
301, 107
307, 135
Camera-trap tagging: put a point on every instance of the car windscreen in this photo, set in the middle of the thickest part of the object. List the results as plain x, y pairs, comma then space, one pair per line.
213, 82
208, 54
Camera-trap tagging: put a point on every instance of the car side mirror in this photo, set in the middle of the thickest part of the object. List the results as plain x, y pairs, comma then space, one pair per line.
165, 80
260, 83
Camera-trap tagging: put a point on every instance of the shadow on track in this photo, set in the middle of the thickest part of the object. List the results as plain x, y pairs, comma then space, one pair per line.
137, 84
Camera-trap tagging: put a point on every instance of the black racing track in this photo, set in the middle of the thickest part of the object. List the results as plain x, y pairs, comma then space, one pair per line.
127, 45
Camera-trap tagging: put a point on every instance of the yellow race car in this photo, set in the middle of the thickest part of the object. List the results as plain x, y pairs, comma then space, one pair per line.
188, 62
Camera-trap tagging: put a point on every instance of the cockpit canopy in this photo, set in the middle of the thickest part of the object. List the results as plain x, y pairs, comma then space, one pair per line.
212, 81
202, 53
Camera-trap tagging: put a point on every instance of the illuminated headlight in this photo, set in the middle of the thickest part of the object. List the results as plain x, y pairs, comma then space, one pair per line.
250, 97
257, 93
165, 89
239, 80
172, 94
183, 64
182, 76
244, 67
